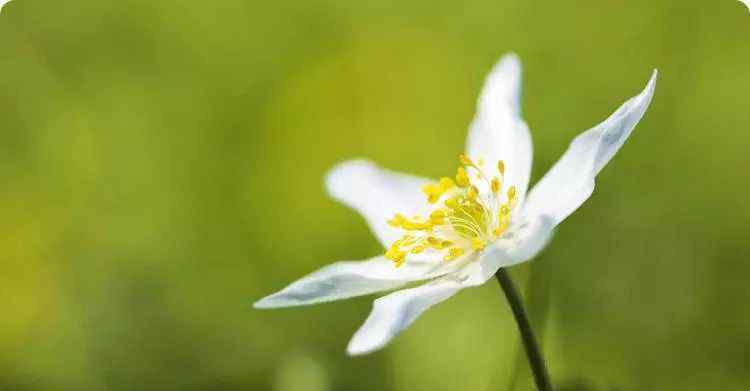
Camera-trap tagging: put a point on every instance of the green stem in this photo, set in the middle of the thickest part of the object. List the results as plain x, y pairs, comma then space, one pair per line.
536, 361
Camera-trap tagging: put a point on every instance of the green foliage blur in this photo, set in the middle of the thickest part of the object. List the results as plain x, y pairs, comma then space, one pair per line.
161, 168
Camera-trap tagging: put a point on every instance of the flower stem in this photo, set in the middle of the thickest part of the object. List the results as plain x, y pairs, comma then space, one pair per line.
536, 361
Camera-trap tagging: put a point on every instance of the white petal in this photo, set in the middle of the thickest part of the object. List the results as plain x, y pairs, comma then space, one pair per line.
3, 3
393, 313
571, 180
524, 242
377, 194
746, 2
497, 131
347, 279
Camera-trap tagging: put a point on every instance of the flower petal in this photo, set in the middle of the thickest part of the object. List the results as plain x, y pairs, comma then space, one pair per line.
571, 180
347, 279
377, 194
497, 131
393, 313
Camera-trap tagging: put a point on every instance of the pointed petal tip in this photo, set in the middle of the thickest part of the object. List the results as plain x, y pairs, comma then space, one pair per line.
354, 351
648, 91
264, 303
276, 300
510, 58
368, 339
509, 65
360, 346
652, 80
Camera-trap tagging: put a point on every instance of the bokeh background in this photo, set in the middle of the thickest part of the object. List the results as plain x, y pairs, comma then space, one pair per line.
161, 168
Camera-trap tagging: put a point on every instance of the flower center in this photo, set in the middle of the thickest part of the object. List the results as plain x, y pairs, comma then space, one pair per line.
463, 219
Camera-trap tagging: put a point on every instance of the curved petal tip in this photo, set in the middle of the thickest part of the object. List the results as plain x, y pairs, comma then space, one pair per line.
652, 82
395, 312
510, 61
265, 303
360, 346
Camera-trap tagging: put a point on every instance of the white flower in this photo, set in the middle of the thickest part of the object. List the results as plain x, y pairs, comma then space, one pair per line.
471, 225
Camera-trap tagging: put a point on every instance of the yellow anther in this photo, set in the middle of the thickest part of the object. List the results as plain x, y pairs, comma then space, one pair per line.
417, 249
452, 202
446, 184
504, 211
477, 244
430, 188
472, 193
435, 191
437, 243
462, 179
397, 220
437, 217
495, 185
512, 193
432, 191
501, 167
406, 240
396, 255
465, 160
453, 253
411, 225
392, 250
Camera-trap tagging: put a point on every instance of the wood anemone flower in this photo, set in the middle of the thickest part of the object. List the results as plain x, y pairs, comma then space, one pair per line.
457, 232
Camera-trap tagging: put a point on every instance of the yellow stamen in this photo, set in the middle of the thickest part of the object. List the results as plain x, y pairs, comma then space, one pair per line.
446, 184
495, 185
462, 179
512, 196
397, 220
453, 253
469, 219
465, 160
437, 217
472, 193
396, 255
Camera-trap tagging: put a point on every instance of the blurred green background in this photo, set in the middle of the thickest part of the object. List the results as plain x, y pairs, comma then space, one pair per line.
161, 166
